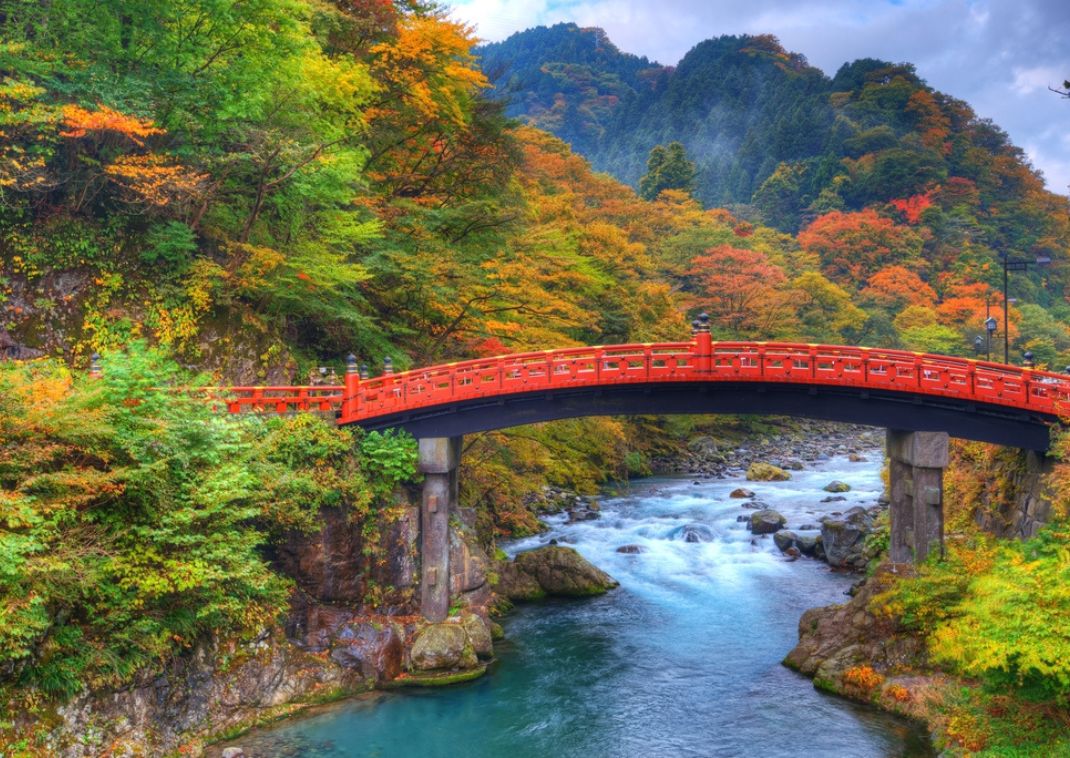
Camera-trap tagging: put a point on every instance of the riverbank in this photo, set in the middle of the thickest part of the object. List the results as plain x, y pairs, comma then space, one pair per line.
682, 659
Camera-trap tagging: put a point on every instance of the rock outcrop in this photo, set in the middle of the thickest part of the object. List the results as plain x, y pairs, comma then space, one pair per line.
836, 638
551, 570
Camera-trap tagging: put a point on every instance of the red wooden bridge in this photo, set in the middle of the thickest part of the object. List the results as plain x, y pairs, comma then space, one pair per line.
891, 388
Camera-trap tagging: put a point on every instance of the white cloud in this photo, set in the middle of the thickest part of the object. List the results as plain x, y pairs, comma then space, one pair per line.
998, 55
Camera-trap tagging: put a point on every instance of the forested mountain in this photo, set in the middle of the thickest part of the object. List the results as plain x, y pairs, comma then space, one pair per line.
902, 195
763, 126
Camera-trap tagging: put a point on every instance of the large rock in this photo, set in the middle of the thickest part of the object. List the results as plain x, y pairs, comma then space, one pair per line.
741, 492
442, 646
516, 584
844, 538
784, 539
766, 521
374, 649
563, 572
837, 486
806, 544
766, 472
479, 635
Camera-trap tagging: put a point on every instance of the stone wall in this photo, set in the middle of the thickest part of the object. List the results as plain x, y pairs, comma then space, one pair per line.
352, 626
1006, 491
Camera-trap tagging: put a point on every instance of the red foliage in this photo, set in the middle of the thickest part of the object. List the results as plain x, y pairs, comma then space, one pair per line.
895, 287
912, 207
739, 286
854, 246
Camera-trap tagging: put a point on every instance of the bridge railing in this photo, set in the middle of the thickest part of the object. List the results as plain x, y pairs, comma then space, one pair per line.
773, 362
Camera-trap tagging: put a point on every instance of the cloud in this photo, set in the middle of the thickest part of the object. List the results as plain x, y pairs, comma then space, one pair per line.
998, 55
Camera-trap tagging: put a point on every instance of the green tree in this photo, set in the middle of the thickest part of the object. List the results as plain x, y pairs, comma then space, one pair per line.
668, 167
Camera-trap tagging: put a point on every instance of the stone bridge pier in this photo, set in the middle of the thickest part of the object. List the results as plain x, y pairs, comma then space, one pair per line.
916, 488
439, 460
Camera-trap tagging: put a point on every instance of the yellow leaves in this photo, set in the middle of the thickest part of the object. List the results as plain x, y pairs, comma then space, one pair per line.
80, 122
156, 179
257, 265
430, 68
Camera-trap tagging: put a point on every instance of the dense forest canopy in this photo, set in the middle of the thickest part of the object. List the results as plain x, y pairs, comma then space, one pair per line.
256, 188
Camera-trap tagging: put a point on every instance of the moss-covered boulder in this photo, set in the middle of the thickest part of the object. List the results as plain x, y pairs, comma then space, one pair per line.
562, 572
766, 521
442, 646
479, 635
516, 584
837, 486
766, 472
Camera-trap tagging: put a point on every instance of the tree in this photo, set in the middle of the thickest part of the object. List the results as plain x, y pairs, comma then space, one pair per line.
894, 287
667, 167
854, 246
825, 310
740, 288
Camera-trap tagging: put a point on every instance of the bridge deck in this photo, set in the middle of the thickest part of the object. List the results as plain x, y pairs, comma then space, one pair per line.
934, 376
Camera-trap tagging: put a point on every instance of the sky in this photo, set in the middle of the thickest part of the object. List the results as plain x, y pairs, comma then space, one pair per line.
1000, 56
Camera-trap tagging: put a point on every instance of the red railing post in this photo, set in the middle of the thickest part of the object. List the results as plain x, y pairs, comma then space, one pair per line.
703, 345
350, 402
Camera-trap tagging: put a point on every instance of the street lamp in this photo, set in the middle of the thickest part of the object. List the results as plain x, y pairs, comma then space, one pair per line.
978, 344
1027, 359
1015, 264
990, 330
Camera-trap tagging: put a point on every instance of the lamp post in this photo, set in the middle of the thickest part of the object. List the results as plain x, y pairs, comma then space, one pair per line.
1027, 359
1015, 264
990, 330
978, 344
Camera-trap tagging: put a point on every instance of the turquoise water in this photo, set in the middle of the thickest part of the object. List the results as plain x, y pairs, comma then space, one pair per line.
682, 660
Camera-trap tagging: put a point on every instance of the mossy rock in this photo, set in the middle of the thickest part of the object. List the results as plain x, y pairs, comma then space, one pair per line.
442, 646
766, 472
837, 486
435, 678
563, 572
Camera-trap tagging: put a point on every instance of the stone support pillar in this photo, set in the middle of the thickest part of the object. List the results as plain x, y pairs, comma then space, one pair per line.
916, 482
439, 459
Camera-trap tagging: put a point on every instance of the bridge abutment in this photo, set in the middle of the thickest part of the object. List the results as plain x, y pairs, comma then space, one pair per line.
438, 462
916, 489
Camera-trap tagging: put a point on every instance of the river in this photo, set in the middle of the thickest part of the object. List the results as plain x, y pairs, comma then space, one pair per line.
682, 660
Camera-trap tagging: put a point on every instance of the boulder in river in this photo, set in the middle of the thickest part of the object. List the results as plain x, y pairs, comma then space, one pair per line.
766, 521
631, 549
784, 539
806, 544
740, 493
552, 570
837, 486
766, 472
844, 538
442, 646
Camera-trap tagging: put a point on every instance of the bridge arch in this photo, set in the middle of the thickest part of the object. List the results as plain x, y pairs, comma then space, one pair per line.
920, 399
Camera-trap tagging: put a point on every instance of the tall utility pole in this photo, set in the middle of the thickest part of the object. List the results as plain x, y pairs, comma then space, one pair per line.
1015, 264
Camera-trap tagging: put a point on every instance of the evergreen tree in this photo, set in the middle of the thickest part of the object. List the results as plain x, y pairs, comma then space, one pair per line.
668, 167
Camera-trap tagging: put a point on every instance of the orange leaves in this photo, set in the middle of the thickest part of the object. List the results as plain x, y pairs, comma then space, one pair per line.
853, 246
155, 179
80, 123
429, 68
895, 287
862, 677
740, 286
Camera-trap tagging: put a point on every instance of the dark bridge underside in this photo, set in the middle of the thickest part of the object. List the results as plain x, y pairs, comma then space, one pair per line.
889, 409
